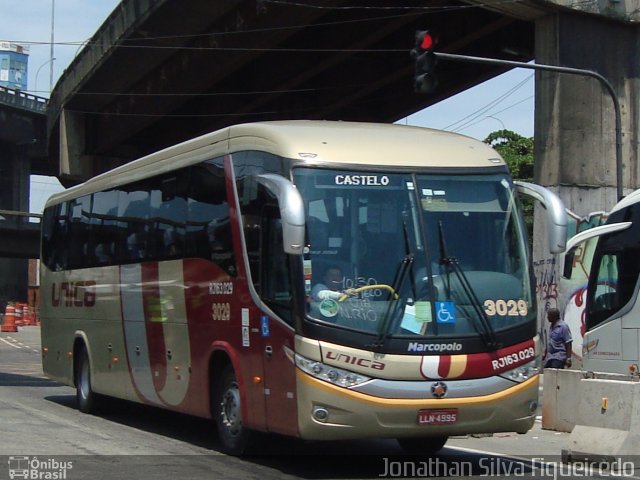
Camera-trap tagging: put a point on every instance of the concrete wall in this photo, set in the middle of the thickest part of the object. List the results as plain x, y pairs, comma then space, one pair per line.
574, 122
601, 414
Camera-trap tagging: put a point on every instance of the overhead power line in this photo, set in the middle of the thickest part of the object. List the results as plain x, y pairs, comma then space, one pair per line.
468, 119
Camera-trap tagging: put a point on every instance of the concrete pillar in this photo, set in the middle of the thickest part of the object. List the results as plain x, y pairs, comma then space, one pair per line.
575, 138
14, 195
574, 118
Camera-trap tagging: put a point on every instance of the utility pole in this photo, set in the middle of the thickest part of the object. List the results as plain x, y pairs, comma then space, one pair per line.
51, 57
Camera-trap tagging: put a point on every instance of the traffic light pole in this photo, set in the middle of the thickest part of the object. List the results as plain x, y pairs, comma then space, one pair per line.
571, 71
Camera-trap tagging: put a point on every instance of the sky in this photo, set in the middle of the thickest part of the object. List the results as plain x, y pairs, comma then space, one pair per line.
503, 102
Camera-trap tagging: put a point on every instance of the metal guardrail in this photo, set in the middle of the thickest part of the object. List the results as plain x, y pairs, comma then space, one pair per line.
20, 99
16, 213
12, 219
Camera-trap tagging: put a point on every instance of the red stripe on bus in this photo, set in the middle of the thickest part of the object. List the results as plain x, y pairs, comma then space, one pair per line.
444, 366
154, 324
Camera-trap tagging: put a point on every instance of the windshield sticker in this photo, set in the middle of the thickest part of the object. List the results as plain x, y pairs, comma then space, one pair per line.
410, 186
409, 320
362, 180
414, 319
423, 312
434, 199
445, 312
329, 308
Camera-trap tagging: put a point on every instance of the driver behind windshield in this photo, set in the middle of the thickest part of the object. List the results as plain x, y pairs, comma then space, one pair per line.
331, 285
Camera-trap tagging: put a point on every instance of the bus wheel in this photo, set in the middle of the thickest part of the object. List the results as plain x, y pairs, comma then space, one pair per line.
422, 446
227, 411
87, 399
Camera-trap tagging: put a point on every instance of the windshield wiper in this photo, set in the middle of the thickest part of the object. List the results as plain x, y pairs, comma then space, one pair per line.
484, 329
398, 281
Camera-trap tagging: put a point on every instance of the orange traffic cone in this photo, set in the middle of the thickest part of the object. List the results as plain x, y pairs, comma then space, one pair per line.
18, 314
28, 317
9, 324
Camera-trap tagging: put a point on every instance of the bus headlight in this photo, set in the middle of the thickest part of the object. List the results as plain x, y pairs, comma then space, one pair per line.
523, 372
329, 373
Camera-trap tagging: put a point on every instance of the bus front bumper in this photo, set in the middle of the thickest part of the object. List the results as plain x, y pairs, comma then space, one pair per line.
328, 412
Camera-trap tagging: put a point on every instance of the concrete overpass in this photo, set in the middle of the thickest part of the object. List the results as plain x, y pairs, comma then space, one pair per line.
23, 151
158, 72
19, 235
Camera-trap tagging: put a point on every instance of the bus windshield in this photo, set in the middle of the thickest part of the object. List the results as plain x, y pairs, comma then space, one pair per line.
414, 255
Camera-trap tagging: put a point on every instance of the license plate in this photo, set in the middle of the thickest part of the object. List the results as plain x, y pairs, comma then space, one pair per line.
438, 417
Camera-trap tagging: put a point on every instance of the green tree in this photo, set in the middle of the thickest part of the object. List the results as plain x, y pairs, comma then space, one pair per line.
517, 151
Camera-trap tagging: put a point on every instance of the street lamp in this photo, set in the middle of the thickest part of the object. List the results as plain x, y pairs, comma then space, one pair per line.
38, 72
496, 118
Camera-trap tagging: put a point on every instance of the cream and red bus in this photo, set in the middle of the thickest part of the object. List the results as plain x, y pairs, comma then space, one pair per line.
193, 279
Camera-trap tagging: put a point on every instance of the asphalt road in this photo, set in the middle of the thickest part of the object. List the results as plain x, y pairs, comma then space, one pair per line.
40, 427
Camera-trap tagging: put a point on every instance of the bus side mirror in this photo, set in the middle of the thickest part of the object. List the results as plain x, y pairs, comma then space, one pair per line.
556, 213
291, 211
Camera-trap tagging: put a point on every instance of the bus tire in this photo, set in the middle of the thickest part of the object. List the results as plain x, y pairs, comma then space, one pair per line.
86, 397
422, 446
227, 412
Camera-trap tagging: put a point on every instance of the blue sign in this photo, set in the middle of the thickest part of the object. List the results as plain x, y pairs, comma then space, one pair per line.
445, 312
264, 321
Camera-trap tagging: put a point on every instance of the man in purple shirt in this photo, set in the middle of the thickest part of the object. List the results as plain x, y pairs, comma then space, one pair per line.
558, 354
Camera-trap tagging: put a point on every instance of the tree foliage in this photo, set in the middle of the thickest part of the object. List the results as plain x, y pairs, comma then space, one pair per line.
517, 151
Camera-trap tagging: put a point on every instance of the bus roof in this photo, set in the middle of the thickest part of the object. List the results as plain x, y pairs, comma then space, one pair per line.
330, 142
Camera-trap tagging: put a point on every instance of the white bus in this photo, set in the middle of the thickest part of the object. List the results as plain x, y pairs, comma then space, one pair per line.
323, 280
612, 312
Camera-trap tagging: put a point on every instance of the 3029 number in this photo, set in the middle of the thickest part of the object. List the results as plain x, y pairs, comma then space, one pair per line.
506, 308
221, 311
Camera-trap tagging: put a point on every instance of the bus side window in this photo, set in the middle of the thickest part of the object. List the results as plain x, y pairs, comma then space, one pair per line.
169, 211
275, 271
54, 237
606, 297
80, 243
268, 263
104, 226
617, 258
208, 233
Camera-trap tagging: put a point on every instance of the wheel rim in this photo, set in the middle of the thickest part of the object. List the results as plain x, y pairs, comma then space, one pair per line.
230, 410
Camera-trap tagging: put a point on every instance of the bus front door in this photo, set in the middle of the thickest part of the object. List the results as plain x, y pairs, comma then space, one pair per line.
276, 331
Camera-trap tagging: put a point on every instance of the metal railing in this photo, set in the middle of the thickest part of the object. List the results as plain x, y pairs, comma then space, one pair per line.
20, 99
17, 219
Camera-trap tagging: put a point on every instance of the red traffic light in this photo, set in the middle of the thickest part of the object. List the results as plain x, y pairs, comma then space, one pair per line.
425, 79
427, 42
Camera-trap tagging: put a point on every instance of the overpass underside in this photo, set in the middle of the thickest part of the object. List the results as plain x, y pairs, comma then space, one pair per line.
157, 73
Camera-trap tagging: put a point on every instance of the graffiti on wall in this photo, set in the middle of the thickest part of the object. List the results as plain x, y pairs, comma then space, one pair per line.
568, 295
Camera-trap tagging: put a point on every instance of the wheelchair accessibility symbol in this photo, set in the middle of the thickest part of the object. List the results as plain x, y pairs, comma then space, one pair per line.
445, 312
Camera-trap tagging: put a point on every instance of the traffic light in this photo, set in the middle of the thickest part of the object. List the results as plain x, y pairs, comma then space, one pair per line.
425, 77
